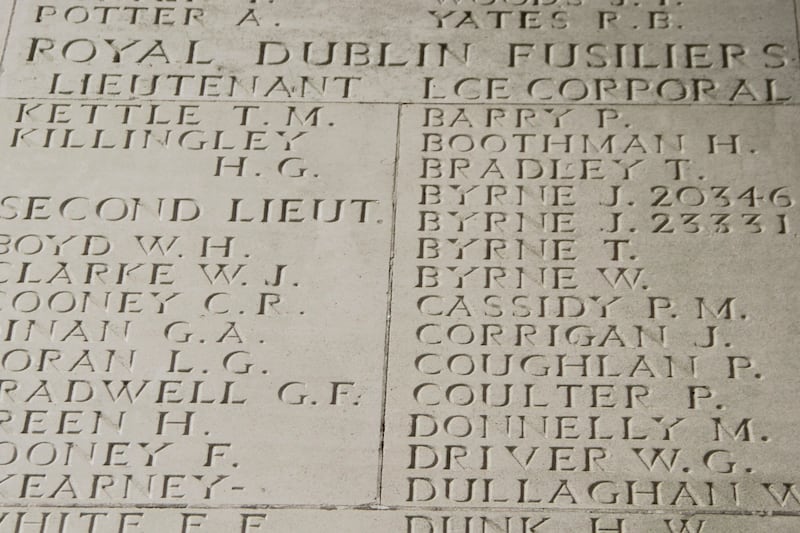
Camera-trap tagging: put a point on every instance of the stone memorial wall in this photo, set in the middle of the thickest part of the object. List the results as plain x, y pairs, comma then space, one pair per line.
426, 266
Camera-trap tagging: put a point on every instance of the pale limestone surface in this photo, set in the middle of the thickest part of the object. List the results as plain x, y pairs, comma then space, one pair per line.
518, 266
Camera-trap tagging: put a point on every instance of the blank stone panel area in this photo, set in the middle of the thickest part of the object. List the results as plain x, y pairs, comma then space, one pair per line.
193, 302
592, 310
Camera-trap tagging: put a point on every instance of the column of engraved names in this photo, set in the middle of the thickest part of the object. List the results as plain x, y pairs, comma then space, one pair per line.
565, 359
560, 361
167, 297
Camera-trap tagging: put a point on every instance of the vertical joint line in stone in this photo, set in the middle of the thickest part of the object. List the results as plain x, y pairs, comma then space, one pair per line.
390, 290
797, 28
8, 34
